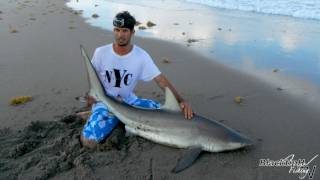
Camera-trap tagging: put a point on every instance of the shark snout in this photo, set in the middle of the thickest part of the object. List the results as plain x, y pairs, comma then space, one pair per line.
240, 141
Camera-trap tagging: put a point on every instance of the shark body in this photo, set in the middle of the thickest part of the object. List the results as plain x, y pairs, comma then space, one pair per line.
167, 125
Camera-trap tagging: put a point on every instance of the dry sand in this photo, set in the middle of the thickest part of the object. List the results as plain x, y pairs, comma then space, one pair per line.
39, 139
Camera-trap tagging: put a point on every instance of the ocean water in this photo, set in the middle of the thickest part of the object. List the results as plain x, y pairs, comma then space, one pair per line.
296, 8
274, 47
309, 9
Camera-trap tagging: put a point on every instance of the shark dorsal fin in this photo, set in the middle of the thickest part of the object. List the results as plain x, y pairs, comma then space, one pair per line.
171, 102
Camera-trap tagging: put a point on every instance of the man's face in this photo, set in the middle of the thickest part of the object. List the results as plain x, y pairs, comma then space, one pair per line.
122, 36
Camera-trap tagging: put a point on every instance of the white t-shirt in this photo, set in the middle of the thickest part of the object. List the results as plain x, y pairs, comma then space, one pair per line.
120, 74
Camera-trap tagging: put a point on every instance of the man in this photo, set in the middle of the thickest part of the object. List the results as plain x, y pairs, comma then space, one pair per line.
120, 65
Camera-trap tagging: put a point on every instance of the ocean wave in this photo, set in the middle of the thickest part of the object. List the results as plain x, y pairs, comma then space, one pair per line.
309, 9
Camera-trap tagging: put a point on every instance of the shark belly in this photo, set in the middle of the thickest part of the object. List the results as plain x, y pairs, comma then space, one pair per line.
162, 137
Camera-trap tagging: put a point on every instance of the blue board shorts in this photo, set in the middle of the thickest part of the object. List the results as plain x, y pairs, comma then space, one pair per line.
101, 122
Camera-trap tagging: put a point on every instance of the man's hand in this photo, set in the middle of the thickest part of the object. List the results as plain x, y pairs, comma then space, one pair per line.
90, 100
186, 109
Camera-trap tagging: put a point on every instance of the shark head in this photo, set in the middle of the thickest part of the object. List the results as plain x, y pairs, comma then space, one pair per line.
215, 144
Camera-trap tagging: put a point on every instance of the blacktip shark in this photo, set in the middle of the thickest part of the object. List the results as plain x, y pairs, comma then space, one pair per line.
167, 125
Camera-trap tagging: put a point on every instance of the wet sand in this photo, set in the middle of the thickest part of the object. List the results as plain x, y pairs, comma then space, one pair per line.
39, 139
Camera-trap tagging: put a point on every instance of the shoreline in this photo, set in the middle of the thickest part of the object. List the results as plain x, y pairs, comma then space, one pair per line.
43, 60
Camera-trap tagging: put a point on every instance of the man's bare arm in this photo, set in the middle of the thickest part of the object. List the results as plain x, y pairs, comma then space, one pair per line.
163, 82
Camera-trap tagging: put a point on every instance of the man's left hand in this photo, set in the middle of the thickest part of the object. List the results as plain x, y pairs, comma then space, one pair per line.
186, 109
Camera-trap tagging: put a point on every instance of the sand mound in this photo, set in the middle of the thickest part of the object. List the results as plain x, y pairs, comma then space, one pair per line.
48, 149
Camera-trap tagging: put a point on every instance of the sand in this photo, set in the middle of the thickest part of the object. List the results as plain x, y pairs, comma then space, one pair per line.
39, 140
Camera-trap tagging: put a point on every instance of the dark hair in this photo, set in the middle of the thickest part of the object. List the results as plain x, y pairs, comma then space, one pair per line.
124, 20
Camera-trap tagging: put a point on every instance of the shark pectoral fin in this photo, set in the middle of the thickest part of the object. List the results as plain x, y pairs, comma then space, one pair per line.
187, 159
171, 102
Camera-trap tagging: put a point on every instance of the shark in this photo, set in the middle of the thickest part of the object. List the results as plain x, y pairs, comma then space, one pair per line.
167, 125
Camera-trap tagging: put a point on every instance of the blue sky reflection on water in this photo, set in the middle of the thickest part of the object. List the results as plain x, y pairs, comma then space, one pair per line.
242, 40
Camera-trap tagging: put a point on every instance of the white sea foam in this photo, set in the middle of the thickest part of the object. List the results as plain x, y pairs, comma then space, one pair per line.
297, 8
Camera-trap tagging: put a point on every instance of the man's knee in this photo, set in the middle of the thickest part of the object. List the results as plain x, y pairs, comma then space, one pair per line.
87, 142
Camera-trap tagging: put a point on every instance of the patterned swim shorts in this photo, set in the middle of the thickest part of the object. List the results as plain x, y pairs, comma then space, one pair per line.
101, 123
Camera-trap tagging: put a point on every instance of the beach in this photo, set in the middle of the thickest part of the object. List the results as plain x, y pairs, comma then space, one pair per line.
40, 57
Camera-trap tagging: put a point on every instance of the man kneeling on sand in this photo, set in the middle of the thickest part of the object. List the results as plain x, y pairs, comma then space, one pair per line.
120, 65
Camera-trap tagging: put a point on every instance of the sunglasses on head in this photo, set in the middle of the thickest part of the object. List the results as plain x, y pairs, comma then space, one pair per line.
118, 22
